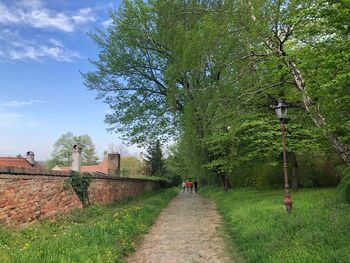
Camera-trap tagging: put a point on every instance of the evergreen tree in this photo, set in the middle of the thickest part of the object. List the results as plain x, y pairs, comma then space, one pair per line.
154, 161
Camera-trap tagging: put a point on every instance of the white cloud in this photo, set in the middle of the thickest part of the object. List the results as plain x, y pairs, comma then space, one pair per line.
17, 103
84, 15
15, 48
109, 111
55, 42
34, 14
107, 23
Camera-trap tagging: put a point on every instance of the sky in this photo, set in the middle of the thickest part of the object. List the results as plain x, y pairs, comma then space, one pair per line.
43, 48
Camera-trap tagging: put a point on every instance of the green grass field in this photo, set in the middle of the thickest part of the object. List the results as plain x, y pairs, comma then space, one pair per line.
318, 230
95, 234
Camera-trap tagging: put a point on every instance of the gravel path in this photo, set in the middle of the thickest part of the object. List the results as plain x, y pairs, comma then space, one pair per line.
186, 231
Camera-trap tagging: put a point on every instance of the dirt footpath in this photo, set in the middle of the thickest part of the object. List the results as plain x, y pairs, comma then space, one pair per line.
186, 231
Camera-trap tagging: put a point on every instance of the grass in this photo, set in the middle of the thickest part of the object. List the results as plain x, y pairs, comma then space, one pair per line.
95, 234
145, 177
318, 230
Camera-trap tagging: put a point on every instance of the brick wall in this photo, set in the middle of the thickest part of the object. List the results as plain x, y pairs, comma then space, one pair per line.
27, 195
105, 190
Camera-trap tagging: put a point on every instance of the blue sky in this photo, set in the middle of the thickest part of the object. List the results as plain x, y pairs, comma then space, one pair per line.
43, 46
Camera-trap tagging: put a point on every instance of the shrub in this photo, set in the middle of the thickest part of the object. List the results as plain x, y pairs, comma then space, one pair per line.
175, 180
124, 172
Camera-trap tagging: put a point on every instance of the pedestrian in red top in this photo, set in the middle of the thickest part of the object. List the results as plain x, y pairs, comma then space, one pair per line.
191, 185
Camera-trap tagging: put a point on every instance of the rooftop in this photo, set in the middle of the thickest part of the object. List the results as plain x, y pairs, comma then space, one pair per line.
19, 162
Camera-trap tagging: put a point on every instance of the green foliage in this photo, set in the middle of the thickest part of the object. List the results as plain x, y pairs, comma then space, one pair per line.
259, 175
129, 74
131, 166
124, 172
95, 234
154, 161
325, 59
209, 72
316, 231
80, 183
175, 162
62, 152
175, 180
314, 171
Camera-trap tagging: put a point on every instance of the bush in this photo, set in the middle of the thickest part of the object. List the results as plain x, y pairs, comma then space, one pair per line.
124, 172
344, 186
175, 180
260, 175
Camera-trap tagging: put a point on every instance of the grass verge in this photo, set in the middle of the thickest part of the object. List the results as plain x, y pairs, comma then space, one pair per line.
318, 230
95, 234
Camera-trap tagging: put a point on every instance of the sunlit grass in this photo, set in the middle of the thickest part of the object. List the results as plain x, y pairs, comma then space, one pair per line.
318, 230
95, 234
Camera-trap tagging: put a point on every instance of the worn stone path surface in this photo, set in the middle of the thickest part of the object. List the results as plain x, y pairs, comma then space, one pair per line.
186, 231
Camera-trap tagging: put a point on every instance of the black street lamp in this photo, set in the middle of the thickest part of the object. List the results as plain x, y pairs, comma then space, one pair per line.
281, 112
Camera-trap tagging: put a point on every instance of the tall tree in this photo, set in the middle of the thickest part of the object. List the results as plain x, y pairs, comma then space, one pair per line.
154, 161
152, 61
62, 152
208, 71
277, 34
130, 73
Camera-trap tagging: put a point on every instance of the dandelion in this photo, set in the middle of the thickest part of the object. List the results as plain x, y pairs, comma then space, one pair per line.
25, 247
5, 246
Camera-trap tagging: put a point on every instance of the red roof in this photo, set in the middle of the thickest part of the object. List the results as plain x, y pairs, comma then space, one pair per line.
102, 167
19, 162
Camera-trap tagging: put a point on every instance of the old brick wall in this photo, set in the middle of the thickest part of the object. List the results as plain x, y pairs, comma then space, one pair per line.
105, 190
26, 196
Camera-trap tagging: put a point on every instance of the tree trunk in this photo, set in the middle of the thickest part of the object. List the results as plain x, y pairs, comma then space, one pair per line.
295, 177
226, 183
223, 180
316, 116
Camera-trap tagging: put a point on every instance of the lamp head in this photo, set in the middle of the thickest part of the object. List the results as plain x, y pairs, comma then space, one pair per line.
281, 110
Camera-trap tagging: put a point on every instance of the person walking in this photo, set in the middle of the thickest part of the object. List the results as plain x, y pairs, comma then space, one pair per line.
191, 186
195, 186
183, 186
187, 186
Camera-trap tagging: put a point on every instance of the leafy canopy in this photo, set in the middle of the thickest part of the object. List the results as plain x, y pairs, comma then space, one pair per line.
62, 152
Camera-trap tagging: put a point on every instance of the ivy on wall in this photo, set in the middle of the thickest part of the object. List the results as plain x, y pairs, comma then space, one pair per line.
80, 183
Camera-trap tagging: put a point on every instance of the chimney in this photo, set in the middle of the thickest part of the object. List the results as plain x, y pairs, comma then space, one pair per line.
105, 155
76, 158
113, 161
30, 157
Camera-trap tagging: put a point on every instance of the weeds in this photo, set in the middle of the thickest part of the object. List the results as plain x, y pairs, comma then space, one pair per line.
95, 234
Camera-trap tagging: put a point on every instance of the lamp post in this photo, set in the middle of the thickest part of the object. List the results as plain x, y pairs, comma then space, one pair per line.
281, 112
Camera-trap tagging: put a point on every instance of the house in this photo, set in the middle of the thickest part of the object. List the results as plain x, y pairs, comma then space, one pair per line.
109, 166
27, 162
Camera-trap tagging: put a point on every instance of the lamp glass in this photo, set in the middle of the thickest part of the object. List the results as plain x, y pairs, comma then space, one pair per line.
281, 110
